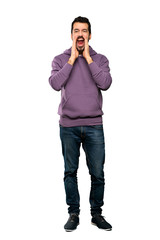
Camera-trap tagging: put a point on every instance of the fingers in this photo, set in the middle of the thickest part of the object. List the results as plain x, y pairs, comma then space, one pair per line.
74, 52
74, 41
86, 47
86, 41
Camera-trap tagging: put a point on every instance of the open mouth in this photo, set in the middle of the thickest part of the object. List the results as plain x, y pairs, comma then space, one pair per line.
80, 41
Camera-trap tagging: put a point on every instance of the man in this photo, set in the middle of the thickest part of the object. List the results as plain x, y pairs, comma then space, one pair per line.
80, 73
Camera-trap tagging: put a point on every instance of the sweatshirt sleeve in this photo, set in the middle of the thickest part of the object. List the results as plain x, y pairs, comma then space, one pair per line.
59, 75
101, 73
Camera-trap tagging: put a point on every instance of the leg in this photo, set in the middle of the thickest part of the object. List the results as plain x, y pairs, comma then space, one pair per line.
94, 148
71, 152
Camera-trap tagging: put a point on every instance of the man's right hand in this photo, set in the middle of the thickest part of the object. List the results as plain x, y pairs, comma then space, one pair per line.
74, 52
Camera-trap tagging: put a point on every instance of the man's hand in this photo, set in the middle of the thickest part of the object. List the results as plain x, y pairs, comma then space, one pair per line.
86, 53
74, 52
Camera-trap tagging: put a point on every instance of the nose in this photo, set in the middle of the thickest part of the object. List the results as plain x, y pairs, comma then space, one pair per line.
81, 33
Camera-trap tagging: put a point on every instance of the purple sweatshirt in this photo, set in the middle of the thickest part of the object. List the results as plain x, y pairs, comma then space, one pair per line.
80, 85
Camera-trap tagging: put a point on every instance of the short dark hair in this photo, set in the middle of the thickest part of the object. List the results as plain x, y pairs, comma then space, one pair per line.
81, 20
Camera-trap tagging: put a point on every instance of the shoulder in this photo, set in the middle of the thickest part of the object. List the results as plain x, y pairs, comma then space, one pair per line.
100, 58
61, 59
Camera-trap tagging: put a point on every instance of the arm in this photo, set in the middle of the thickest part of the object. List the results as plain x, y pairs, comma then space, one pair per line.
101, 74
59, 75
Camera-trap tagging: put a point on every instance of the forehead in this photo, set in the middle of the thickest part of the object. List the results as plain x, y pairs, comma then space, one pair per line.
78, 25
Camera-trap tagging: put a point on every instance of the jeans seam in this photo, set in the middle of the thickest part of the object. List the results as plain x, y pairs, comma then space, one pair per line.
89, 166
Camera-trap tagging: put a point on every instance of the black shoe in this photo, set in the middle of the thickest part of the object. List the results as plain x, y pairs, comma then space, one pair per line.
100, 222
72, 222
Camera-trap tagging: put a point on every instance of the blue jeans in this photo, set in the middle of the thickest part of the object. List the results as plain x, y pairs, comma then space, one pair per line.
92, 139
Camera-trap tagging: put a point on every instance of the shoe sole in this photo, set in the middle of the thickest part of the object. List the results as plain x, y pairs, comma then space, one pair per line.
107, 229
68, 230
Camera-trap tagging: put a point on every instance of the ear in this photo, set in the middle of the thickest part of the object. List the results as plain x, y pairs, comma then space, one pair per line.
72, 36
90, 36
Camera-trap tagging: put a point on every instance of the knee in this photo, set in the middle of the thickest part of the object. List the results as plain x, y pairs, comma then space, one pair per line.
97, 172
70, 174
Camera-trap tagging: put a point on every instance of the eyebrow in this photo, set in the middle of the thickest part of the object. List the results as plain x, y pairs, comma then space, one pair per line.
76, 29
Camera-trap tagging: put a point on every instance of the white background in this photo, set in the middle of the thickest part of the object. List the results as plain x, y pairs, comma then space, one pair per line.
32, 198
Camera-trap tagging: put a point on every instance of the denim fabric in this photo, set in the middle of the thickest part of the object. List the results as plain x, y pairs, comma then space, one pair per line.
92, 140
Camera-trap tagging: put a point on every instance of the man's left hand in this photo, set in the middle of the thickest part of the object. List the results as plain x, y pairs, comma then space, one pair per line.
86, 53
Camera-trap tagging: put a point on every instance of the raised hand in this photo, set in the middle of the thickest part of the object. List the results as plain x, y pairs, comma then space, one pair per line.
86, 53
74, 52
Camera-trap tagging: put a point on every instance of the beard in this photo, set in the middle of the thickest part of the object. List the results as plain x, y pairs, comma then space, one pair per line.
80, 51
